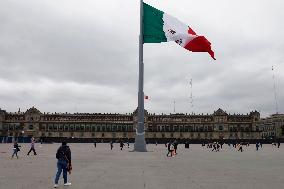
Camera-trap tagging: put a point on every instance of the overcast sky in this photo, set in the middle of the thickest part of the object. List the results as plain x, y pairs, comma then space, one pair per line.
82, 56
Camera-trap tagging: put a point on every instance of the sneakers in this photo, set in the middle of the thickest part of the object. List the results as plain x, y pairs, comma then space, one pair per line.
55, 186
67, 184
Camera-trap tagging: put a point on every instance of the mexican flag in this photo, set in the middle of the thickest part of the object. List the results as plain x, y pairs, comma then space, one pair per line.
160, 27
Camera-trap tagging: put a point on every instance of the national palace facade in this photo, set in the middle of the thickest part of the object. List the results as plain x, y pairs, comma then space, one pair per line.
109, 126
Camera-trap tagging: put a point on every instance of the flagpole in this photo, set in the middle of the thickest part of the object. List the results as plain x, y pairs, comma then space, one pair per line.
140, 144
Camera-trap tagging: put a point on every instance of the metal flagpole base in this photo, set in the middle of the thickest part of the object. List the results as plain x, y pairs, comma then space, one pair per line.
140, 143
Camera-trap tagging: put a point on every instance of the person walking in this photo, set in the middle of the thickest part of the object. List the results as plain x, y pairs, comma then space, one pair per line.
95, 144
16, 149
32, 147
63, 155
214, 147
121, 145
170, 150
175, 144
240, 147
111, 145
256, 146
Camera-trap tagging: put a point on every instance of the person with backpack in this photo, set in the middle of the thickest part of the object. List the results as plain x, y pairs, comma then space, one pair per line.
16, 149
63, 155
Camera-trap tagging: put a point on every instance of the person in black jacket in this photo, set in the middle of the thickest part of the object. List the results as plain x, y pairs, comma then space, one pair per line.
16, 149
63, 155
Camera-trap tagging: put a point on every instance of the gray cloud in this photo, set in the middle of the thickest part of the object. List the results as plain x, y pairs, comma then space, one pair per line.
83, 57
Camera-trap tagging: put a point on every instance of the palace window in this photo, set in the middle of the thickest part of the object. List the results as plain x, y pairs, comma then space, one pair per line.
72, 127
176, 128
220, 127
54, 127
61, 127
87, 128
42, 127
82, 127
98, 128
31, 127
113, 135
77, 127
49, 126
167, 128
130, 128
66, 128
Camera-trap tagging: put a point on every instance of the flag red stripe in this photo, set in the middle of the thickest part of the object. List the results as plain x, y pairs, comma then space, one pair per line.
200, 44
190, 31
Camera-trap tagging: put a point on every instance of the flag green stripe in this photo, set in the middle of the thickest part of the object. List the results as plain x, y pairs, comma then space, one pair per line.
153, 25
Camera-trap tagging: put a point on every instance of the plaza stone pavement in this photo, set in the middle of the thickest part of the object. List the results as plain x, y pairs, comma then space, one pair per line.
101, 168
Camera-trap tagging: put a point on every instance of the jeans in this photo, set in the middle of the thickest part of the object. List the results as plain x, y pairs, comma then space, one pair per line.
61, 165
15, 152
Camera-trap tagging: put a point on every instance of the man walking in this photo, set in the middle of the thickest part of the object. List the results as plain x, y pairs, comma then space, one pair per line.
63, 155
170, 150
32, 147
111, 145
256, 146
121, 145
16, 149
